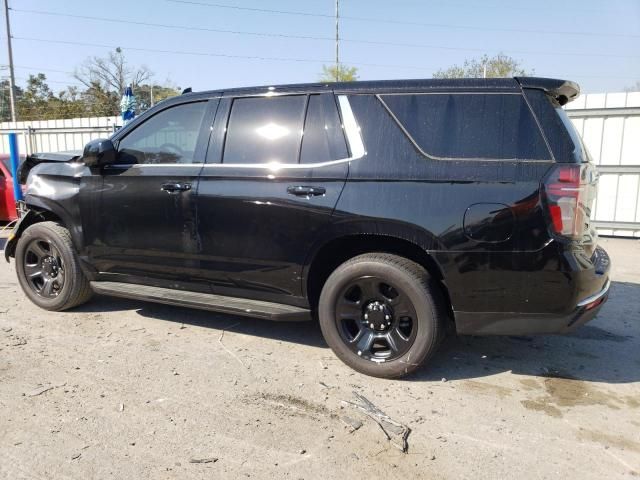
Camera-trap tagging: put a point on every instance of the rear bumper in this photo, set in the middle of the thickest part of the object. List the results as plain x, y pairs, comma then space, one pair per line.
593, 285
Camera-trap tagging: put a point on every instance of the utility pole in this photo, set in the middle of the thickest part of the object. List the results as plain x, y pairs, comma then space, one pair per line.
12, 79
337, 40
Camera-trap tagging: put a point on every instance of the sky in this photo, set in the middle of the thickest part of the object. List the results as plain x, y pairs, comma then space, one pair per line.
596, 43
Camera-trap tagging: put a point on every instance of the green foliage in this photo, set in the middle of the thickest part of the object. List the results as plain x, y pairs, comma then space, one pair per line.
143, 94
500, 65
103, 80
339, 73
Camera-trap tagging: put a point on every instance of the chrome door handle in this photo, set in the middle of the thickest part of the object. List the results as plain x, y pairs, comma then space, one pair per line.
173, 188
306, 191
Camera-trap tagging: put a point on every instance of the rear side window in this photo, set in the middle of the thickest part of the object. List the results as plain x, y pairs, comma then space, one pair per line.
265, 129
470, 126
323, 139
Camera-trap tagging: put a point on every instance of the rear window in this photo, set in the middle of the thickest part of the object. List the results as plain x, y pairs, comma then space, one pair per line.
470, 126
580, 151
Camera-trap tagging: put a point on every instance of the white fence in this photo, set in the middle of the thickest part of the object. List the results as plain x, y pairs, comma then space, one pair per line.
609, 124
57, 135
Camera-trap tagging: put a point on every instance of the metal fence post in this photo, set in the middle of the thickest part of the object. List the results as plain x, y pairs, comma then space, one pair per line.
15, 163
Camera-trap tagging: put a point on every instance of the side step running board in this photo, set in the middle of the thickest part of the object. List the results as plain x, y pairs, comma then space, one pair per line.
204, 301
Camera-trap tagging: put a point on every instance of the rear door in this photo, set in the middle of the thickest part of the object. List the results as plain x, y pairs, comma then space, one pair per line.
275, 170
147, 222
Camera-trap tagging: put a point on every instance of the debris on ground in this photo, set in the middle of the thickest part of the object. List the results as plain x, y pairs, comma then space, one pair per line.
396, 433
121, 407
76, 456
204, 460
43, 389
229, 351
17, 341
352, 423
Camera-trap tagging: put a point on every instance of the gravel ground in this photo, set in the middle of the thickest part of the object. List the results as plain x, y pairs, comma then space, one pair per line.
126, 389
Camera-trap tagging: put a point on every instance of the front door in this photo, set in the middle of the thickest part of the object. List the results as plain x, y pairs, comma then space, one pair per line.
147, 225
275, 170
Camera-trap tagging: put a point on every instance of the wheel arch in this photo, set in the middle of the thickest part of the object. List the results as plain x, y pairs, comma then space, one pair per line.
341, 248
35, 214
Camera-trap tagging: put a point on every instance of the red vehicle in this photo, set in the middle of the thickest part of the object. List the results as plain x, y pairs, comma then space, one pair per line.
7, 202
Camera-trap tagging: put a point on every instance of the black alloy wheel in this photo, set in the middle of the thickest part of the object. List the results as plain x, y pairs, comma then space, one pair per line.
382, 314
376, 320
44, 268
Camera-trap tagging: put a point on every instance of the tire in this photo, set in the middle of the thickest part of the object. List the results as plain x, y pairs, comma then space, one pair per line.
405, 315
48, 268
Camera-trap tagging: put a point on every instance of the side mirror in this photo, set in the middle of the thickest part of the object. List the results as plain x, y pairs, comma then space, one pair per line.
99, 152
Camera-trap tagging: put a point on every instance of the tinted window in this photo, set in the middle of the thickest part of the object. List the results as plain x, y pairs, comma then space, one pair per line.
264, 130
323, 139
168, 137
492, 126
7, 163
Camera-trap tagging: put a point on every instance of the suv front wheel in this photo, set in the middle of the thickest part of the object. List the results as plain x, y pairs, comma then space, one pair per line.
381, 314
48, 268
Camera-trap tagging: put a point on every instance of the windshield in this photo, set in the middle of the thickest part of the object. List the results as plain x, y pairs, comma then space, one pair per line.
6, 162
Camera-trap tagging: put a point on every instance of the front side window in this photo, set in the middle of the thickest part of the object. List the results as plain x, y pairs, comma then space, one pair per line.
168, 137
265, 130
471, 126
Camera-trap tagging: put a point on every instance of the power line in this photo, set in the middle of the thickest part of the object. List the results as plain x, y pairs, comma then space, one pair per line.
222, 55
320, 38
404, 22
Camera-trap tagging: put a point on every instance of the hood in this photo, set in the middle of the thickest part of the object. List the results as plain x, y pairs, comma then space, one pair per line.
37, 158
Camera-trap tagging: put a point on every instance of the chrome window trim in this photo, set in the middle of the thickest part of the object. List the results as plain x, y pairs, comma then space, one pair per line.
352, 134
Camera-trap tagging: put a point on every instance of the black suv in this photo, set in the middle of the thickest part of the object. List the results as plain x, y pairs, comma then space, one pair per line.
389, 210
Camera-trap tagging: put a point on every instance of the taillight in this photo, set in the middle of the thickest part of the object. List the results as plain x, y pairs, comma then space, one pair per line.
564, 192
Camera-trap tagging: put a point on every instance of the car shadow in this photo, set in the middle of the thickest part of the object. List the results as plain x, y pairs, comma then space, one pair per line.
605, 350
305, 333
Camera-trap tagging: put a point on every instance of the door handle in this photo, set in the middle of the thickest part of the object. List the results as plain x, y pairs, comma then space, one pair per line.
174, 188
306, 191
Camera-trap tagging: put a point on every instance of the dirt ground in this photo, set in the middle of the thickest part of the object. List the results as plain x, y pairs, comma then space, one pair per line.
131, 390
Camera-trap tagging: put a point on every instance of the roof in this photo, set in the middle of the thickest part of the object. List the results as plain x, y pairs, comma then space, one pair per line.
553, 86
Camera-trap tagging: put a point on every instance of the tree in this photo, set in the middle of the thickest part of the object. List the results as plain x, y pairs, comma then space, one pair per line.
500, 65
633, 88
36, 97
338, 73
112, 73
143, 94
5, 102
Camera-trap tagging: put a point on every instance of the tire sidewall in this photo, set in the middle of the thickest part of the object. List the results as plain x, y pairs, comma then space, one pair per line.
426, 335
42, 232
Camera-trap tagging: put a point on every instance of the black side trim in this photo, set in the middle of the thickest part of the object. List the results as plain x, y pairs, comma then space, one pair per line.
204, 301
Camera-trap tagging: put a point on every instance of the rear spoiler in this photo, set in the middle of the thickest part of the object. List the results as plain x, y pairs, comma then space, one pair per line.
564, 91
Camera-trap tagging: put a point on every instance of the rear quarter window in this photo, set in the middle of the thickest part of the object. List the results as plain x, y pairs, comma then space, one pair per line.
470, 125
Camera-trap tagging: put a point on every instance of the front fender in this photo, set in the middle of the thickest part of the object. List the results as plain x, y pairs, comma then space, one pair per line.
26, 220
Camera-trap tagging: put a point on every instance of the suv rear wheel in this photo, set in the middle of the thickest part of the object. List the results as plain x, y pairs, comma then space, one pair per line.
381, 314
48, 268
